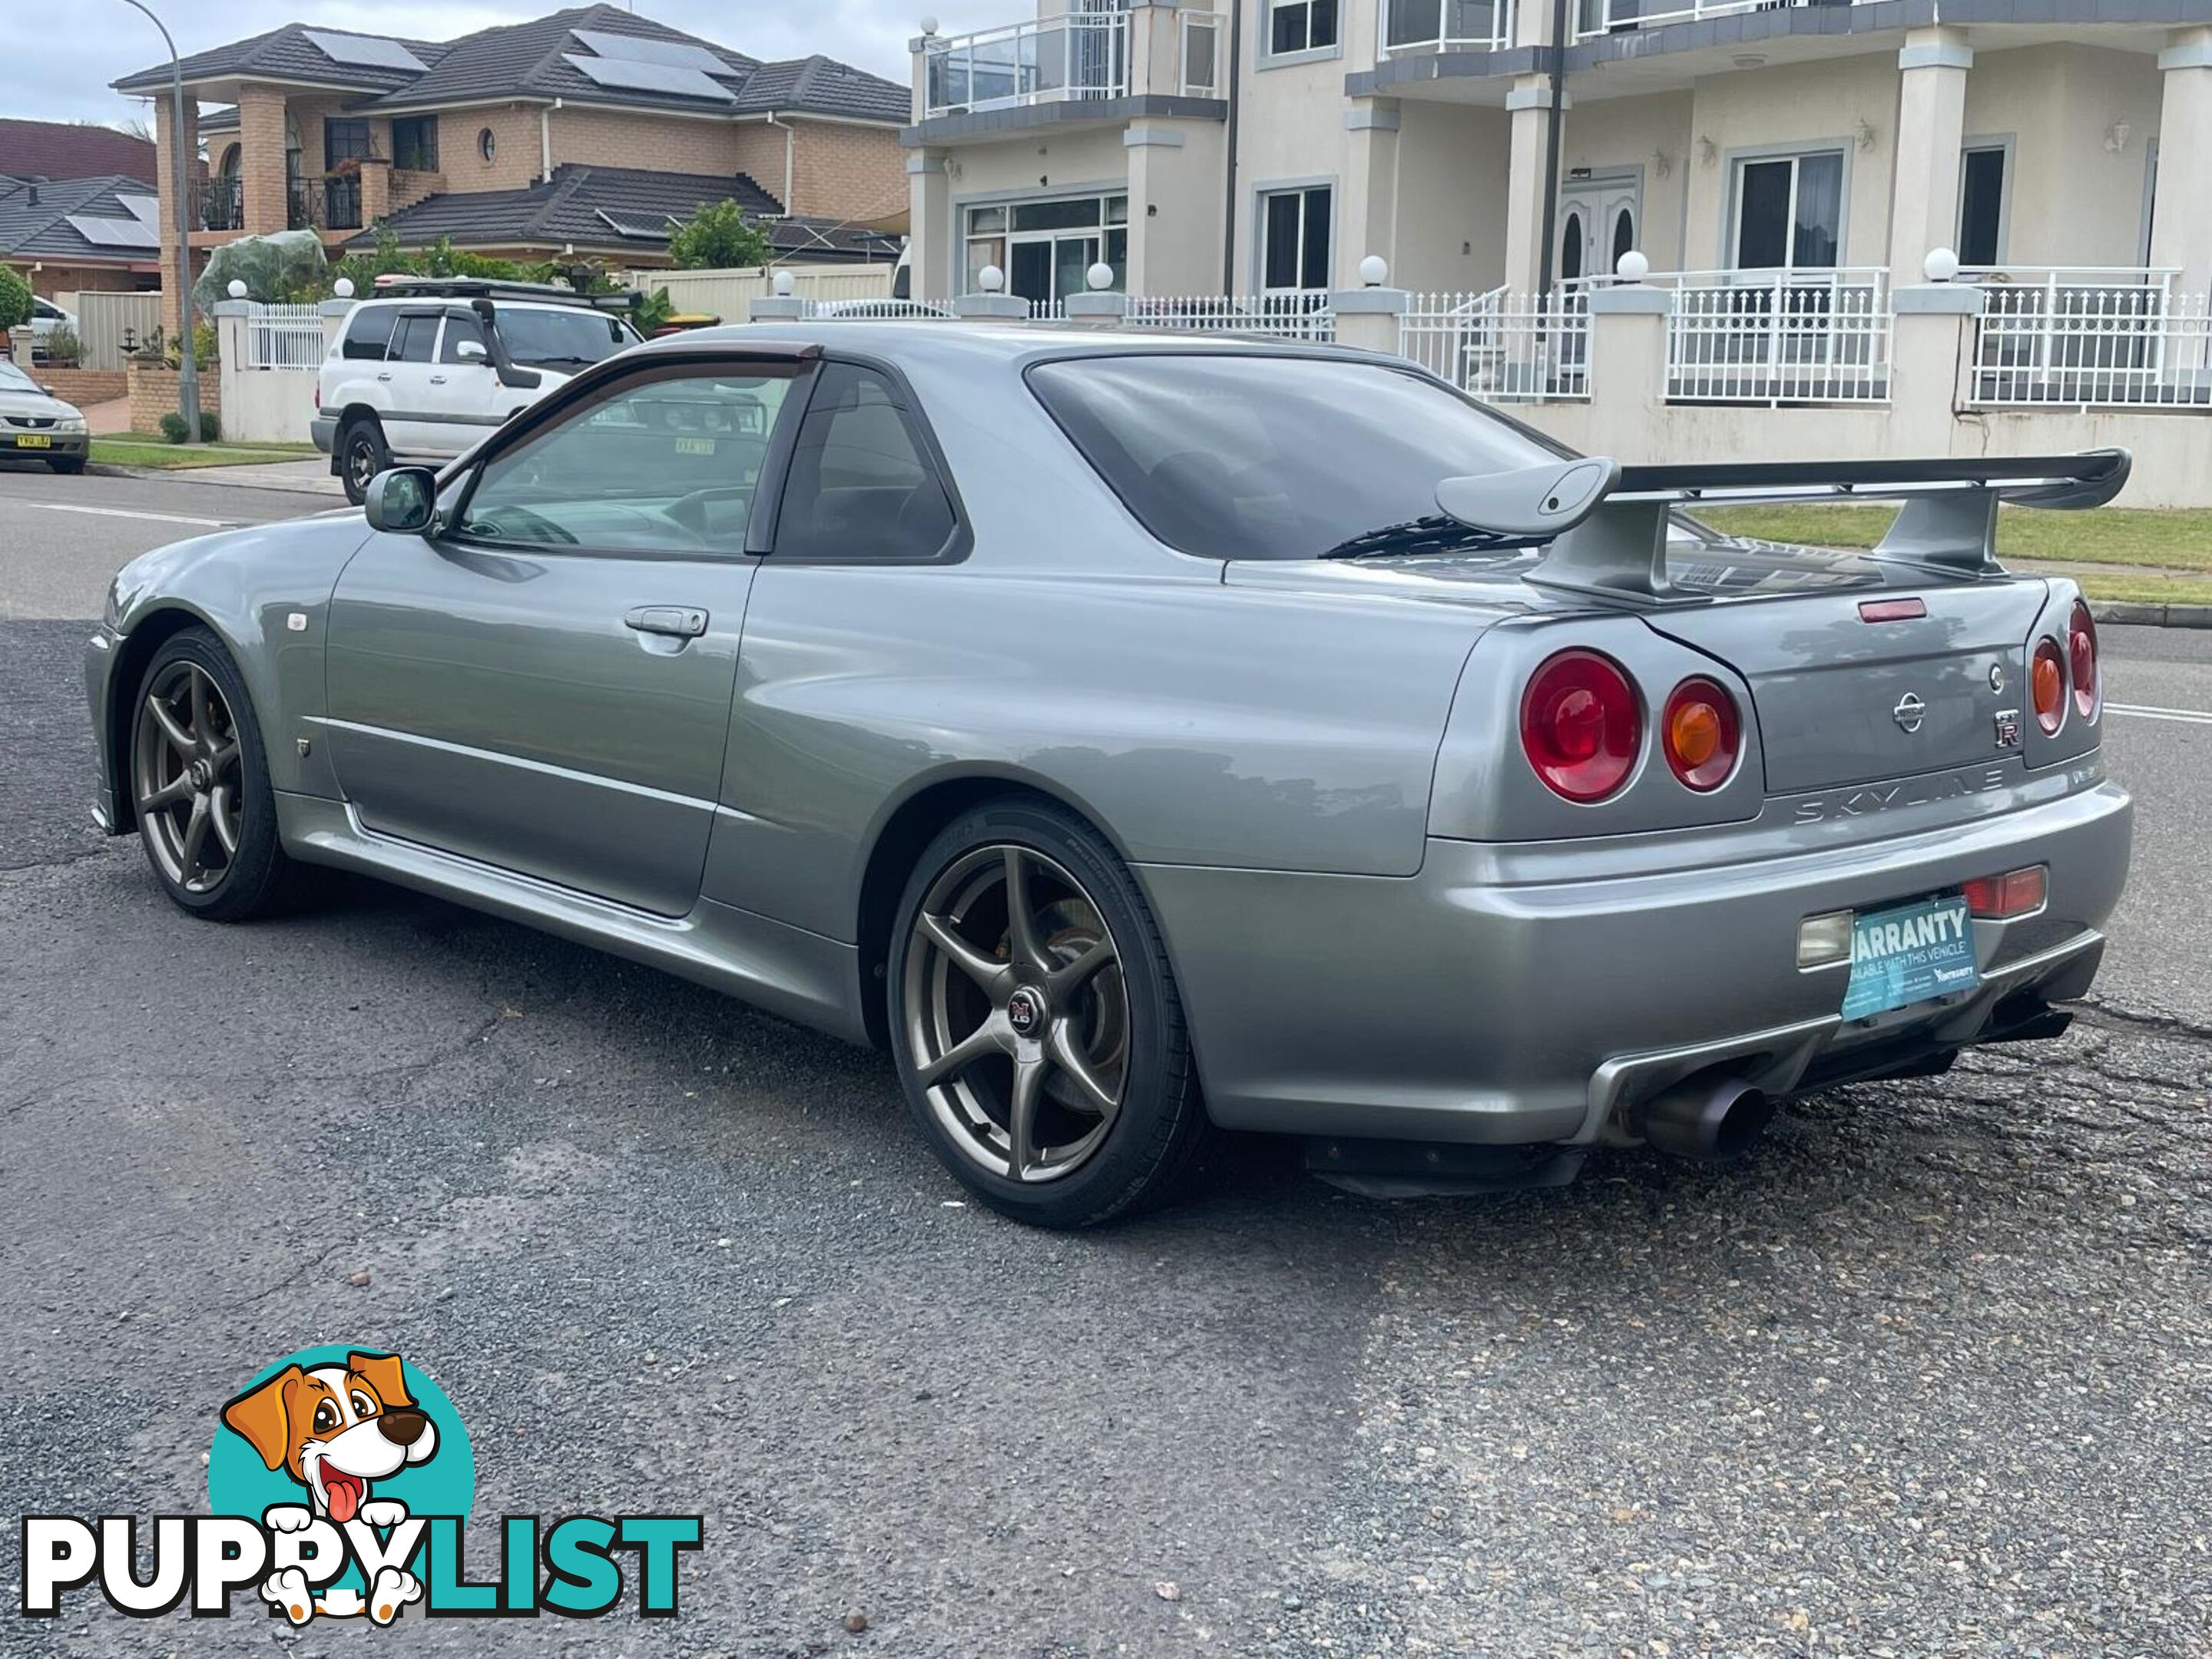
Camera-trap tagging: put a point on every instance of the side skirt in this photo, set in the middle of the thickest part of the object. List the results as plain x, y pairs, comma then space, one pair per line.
786, 970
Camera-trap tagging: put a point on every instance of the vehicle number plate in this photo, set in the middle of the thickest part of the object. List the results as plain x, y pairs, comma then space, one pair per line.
695, 445
33, 440
1909, 953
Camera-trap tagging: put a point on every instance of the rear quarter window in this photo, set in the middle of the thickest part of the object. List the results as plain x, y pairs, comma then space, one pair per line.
368, 334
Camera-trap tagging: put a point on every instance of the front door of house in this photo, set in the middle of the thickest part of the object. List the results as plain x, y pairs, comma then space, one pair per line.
1600, 219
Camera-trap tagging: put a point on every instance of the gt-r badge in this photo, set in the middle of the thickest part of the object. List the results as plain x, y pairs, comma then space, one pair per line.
1910, 711
2007, 728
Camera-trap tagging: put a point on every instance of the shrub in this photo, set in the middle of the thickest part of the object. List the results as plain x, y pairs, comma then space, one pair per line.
718, 237
211, 426
173, 428
63, 348
14, 301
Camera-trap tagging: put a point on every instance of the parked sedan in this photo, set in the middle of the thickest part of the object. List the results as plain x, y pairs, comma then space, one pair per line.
37, 426
1136, 735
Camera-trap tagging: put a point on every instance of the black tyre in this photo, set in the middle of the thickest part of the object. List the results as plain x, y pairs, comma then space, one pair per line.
1035, 1022
362, 454
67, 463
199, 776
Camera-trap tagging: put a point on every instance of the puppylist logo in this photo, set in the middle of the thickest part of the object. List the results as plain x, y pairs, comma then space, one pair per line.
340, 1486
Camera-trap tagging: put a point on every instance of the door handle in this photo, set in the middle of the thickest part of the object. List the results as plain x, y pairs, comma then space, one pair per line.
679, 622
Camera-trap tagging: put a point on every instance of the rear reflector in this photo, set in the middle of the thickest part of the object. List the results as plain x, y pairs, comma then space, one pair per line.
1892, 610
1824, 940
2016, 893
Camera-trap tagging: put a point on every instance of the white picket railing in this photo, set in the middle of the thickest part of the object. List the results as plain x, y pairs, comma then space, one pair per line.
2091, 337
1596, 17
1445, 26
284, 336
1503, 347
1288, 314
1777, 336
1043, 60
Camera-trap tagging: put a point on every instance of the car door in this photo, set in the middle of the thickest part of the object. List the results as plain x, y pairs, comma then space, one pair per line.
543, 682
415, 426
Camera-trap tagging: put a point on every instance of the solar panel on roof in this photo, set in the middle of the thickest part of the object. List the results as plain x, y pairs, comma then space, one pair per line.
634, 49
146, 209
369, 51
652, 225
650, 77
112, 233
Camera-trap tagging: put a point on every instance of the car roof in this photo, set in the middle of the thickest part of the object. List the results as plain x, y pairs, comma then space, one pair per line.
954, 343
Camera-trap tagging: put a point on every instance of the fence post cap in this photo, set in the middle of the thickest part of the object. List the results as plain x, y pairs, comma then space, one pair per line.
343, 288
230, 309
1374, 270
1632, 266
783, 281
1941, 265
990, 279
1100, 277
1370, 302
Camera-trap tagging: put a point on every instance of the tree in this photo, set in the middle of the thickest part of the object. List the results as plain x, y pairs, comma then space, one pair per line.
718, 237
14, 301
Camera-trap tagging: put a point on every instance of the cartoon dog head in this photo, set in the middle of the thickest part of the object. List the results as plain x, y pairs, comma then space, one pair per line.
336, 1428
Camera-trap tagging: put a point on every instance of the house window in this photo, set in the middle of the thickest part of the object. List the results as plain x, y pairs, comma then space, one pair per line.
1981, 205
1294, 239
343, 141
1789, 211
1300, 25
487, 145
1046, 248
414, 144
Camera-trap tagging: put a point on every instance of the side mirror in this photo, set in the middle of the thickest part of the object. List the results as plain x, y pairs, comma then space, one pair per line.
402, 501
470, 351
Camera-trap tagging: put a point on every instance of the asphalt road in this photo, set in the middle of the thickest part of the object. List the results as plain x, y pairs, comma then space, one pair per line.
1927, 1374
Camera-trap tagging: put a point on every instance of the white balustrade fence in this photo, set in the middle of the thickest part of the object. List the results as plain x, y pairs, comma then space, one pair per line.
1290, 314
284, 336
2091, 338
1777, 336
1501, 346
1044, 60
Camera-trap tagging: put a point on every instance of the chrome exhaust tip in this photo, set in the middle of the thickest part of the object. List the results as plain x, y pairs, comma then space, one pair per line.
1709, 1118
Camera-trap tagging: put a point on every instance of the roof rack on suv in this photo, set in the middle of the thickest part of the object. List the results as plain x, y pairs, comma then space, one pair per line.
482, 287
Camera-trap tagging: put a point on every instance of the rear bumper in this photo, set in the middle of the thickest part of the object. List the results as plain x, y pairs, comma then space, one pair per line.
1469, 1004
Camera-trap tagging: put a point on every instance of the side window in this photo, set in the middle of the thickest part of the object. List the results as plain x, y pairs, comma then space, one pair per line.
862, 484
461, 327
415, 340
666, 463
368, 334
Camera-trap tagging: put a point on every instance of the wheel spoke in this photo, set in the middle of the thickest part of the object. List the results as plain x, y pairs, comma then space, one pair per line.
219, 807
1071, 1059
179, 738
220, 761
983, 1040
1021, 1116
1063, 983
195, 842
1021, 919
203, 728
177, 789
966, 958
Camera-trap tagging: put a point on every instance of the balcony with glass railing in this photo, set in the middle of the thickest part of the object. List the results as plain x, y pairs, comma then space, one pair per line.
1414, 25
1596, 17
1093, 55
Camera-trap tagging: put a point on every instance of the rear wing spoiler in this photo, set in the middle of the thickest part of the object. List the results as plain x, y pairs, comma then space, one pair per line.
1608, 523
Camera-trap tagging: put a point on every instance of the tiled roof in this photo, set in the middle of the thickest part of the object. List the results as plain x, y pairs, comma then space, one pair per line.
63, 149
607, 208
40, 229
538, 59
219, 120
287, 54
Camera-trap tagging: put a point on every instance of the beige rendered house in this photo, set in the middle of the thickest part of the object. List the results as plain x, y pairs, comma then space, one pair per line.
587, 132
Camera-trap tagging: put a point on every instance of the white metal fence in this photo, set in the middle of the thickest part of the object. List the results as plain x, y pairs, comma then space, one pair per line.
1290, 315
1777, 336
1076, 55
284, 336
727, 293
2091, 337
1501, 346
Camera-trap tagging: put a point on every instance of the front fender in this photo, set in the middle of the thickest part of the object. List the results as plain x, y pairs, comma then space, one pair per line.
264, 592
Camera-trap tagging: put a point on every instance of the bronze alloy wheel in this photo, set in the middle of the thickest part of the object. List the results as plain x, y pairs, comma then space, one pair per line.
1015, 1014
186, 778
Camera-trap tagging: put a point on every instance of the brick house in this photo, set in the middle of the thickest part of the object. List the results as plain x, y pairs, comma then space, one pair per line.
587, 132
65, 235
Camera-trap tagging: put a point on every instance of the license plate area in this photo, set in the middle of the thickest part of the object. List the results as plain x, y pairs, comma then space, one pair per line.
33, 440
1909, 953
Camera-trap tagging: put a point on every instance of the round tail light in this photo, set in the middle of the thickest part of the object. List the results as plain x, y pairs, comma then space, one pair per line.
2081, 659
1580, 724
2046, 680
1701, 733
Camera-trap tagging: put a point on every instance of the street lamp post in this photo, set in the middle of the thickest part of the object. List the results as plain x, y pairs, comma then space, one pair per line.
188, 378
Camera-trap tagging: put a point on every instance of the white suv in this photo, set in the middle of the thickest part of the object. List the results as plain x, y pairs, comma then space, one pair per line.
424, 369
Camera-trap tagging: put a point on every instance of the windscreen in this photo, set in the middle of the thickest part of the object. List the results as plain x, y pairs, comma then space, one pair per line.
562, 340
1248, 456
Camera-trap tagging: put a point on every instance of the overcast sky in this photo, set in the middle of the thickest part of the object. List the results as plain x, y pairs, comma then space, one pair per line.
57, 57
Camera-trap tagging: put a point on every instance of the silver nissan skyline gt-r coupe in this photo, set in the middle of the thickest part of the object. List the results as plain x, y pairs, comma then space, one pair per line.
1139, 734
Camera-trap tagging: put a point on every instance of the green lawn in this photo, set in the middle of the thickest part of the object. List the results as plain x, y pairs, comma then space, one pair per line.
135, 450
2143, 545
